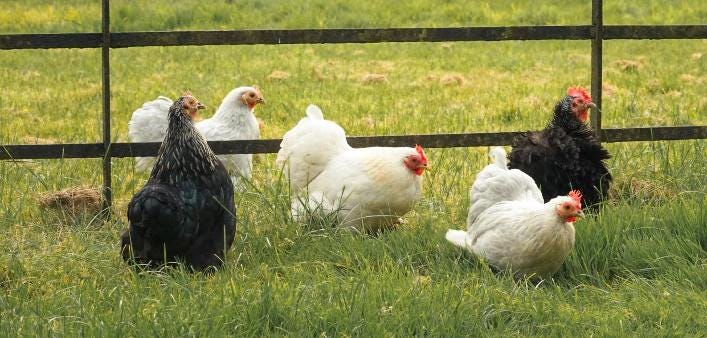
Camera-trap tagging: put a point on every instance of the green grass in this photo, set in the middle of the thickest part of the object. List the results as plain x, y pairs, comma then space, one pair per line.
638, 267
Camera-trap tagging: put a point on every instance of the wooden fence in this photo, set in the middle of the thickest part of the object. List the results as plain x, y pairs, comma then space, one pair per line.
597, 32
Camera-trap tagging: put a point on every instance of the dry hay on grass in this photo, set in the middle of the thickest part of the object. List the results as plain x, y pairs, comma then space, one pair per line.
691, 79
452, 80
369, 122
278, 75
640, 188
628, 66
318, 73
608, 90
38, 140
72, 201
448, 79
372, 78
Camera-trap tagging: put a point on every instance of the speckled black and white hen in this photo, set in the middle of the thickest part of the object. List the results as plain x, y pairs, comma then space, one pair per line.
565, 155
185, 212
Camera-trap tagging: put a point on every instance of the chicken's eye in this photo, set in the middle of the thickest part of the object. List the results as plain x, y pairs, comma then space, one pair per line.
567, 207
252, 94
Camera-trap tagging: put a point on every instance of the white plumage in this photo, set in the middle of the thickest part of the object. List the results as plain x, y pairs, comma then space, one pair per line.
367, 188
510, 226
234, 120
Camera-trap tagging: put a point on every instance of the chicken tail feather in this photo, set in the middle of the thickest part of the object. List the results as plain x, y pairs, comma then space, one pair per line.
498, 156
314, 112
456, 237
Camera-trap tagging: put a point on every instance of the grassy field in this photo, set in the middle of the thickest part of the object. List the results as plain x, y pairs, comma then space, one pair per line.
638, 267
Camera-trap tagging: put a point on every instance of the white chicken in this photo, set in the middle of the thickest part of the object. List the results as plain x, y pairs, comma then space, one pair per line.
234, 120
510, 226
366, 188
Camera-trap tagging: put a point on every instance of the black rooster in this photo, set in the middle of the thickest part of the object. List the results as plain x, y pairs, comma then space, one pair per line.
185, 212
565, 155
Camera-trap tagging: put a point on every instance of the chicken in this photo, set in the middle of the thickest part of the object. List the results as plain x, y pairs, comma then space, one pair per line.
509, 225
566, 154
185, 211
366, 188
234, 120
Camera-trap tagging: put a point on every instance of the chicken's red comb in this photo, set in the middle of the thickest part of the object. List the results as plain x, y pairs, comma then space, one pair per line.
579, 92
576, 195
420, 151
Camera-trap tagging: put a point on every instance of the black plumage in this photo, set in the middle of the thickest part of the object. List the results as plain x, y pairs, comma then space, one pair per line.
185, 212
565, 155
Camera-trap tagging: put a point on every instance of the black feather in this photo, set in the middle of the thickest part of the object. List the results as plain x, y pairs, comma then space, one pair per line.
565, 155
185, 212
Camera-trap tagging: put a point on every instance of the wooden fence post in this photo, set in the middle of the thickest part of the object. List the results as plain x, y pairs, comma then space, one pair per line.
105, 53
597, 39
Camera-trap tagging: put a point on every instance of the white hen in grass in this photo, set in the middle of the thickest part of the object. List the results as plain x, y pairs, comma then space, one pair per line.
510, 226
367, 188
234, 120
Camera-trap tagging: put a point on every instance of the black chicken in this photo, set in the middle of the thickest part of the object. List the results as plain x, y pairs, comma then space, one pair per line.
185, 212
565, 155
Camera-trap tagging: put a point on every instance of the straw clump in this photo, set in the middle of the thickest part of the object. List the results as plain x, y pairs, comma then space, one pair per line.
73, 201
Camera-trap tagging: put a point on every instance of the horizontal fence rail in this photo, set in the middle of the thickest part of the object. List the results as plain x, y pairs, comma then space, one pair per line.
97, 150
346, 35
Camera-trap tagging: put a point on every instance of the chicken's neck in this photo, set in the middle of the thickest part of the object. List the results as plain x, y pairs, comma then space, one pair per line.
564, 118
183, 155
543, 215
236, 115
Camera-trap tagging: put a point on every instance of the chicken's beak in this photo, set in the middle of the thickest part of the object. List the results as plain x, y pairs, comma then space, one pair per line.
593, 106
426, 166
261, 100
200, 106
579, 214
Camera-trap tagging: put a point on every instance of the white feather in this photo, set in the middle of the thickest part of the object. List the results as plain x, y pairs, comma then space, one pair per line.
456, 237
314, 112
367, 187
495, 183
509, 225
149, 124
308, 147
232, 121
